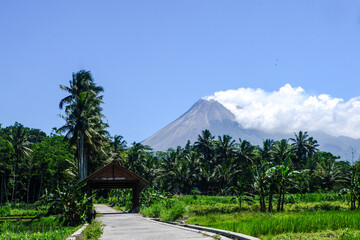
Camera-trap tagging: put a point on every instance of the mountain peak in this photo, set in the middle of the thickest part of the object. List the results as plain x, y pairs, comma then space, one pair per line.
212, 115
204, 114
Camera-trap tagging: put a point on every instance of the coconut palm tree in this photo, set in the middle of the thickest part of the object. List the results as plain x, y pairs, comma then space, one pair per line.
303, 147
205, 146
19, 139
245, 153
225, 148
84, 121
136, 157
81, 81
280, 150
119, 144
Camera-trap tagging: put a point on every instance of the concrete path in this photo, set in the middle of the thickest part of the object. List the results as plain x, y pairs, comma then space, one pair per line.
132, 226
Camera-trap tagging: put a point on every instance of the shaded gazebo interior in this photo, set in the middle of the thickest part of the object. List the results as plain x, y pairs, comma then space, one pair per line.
113, 176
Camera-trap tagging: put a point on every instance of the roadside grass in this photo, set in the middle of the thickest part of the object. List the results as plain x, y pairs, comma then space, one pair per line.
273, 224
43, 228
167, 210
343, 234
94, 230
177, 207
305, 216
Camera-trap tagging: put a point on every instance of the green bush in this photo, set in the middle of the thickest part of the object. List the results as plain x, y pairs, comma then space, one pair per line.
327, 206
5, 210
167, 210
153, 211
173, 213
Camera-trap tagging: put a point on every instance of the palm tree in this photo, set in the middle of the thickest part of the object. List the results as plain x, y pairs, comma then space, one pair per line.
244, 160
245, 153
119, 144
225, 148
205, 146
303, 147
136, 157
19, 140
280, 150
266, 150
84, 121
81, 81
165, 175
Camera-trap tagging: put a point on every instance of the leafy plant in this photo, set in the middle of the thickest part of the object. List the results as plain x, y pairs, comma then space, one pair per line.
73, 205
5, 210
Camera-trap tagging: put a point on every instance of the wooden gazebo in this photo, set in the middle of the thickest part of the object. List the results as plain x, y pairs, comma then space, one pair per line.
114, 175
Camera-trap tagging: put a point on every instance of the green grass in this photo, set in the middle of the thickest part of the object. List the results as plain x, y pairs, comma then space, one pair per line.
265, 224
343, 234
22, 210
28, 221
94, 230
306, 216
43, 228
289, 198
168, 210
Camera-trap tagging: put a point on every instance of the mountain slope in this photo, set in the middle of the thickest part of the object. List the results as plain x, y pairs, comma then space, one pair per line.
212, 115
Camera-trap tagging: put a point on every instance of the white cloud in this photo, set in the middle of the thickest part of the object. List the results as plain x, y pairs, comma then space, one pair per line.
291, 109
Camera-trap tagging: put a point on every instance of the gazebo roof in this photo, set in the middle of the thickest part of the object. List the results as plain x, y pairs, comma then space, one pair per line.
114, 175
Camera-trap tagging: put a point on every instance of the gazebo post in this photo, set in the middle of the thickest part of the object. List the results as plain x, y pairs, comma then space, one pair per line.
91, 212
136, 198
89, 188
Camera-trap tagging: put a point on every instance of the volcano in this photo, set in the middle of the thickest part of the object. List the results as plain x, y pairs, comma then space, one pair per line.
212, 115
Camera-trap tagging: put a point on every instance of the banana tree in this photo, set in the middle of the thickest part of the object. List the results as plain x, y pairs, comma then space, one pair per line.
354, 186
261, 177
283, 177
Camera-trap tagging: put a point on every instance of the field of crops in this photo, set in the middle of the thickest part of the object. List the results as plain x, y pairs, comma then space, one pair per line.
308, 216
29, 222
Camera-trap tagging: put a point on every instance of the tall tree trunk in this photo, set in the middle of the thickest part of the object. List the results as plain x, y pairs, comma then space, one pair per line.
34, 191
81, 157
5, 189
14, 186
279, 200
41, 181
2, 189
352, 200
270, 201
28, 188
86, 162
283, 200
262, 201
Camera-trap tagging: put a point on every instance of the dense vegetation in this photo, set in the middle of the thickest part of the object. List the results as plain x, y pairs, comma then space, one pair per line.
37, 167
305, 216
34, 164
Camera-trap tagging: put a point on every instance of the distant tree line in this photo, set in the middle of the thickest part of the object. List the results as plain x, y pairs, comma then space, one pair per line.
33, 164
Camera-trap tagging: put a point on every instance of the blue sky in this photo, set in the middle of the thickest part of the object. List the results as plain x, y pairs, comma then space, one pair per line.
156, 58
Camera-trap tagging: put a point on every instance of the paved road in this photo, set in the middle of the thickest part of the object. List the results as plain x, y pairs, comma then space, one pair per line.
132, 226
